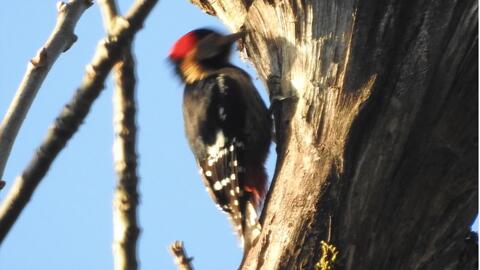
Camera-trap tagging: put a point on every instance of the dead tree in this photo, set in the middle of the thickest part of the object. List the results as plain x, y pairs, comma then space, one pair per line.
376, 113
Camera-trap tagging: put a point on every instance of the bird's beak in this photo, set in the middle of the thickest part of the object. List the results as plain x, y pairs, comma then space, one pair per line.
229, 39
216, 45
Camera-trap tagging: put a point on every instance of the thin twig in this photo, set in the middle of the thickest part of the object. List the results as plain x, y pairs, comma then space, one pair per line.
181, 259
125, 199
67, 123
60, 40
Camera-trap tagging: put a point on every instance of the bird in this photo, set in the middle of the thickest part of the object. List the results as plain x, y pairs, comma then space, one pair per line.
227, 125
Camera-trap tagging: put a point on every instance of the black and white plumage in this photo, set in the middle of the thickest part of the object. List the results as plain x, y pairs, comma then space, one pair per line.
228, 127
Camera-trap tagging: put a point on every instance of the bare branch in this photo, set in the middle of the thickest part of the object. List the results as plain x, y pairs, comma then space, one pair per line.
125, 200
60, 40
107, 54
109, 11
181, 259
126, 195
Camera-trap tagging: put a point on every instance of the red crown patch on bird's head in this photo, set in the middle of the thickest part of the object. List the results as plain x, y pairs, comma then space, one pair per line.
187, 43
183, 46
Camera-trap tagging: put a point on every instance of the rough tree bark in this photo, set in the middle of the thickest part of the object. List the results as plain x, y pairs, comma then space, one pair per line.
376, 109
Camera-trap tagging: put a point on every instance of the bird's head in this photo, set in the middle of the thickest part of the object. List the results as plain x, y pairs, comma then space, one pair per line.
200, 51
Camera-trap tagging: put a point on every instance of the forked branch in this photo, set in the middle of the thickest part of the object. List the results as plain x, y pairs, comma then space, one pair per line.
107, 54
60, 40
181, 259
125, 200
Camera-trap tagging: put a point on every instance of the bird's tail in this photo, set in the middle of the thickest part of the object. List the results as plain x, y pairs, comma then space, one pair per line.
251, 227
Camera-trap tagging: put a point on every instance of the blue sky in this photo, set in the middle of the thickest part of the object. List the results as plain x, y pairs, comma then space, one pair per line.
68, 223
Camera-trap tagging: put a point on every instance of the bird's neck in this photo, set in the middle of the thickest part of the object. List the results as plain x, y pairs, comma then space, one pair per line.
192, 71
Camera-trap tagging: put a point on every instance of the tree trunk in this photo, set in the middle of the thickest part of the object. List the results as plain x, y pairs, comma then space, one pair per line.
376, 112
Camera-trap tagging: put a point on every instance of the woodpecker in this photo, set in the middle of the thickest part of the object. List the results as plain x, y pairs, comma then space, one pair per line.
227, 126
